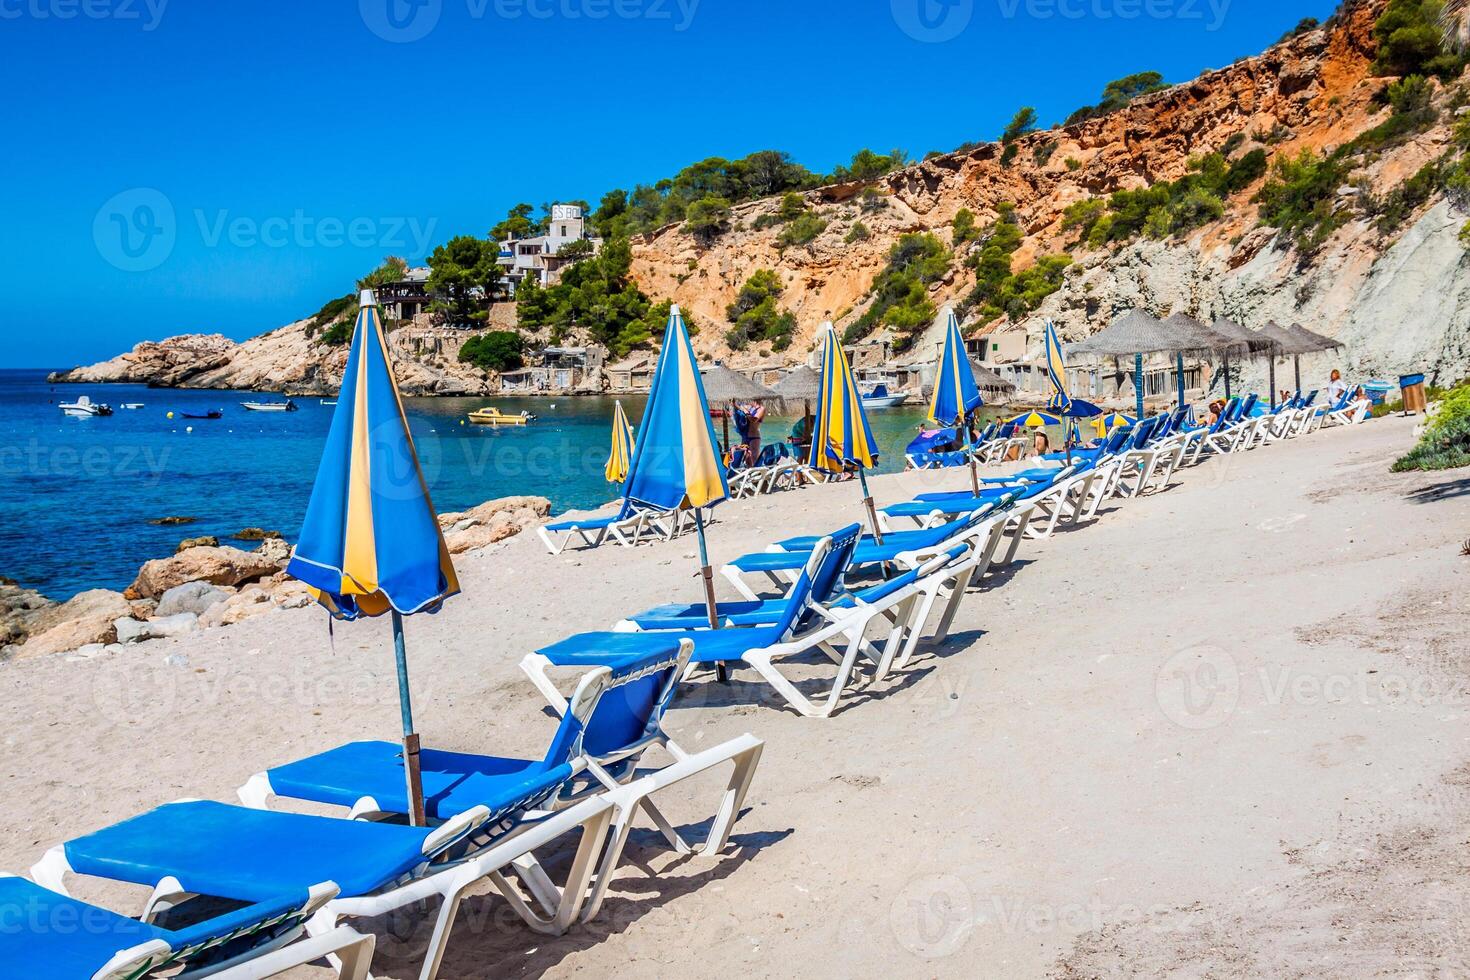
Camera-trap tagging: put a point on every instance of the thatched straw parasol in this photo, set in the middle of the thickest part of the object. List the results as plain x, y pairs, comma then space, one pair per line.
1137, 333
724, 385
1309, 342
988, 381
1237, 340
1287, 344
800, 384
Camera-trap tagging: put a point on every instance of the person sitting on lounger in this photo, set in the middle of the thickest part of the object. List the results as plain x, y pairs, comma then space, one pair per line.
1213, 412
1040, 444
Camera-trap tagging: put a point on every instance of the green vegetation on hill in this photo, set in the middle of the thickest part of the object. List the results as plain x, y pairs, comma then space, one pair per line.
1446, 440
1411, 41
997, 289
595, 294
757, 315
462, 278
1167, 207
1118, 93
901, 290
495, 350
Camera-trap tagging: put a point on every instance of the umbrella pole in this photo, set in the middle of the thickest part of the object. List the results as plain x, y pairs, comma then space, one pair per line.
1179, 375
410, 737
1138, 383
1273, 382
1297, 364
1227, 375
868, 503
708, 575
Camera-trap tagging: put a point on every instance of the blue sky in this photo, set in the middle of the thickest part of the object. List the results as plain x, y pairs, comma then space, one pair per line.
220, 165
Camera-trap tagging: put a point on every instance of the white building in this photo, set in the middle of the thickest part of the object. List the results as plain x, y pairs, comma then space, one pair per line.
538, 256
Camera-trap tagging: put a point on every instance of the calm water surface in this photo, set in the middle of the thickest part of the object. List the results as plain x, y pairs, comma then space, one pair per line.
77, 495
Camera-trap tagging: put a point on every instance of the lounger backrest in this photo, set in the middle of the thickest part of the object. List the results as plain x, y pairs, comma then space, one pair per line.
1007, 430
1247, 406
617, 710
1143, 432
1115, 442
1311, 399
820, 578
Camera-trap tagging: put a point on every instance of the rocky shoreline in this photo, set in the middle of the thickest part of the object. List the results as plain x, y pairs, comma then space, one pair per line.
205, 585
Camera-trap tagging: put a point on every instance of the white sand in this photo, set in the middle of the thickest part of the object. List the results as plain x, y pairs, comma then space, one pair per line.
1224, 731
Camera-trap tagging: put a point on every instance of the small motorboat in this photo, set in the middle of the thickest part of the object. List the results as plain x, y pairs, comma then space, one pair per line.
328, 404
286, 406
216, 414
880, 398
84, 408
494, 416
132, 406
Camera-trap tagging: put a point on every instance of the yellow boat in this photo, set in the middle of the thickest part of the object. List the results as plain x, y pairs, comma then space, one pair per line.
494, 416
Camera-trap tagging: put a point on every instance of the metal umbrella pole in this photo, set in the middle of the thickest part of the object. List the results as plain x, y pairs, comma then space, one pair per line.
410, 738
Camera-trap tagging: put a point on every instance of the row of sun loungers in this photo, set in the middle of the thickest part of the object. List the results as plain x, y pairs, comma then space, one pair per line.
295, 885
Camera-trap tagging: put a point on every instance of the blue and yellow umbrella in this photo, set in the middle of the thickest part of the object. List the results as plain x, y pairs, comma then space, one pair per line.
955, 393
1105, 424
1034, 420
841, 436
1056, 371
371, 542
620, 457
676, 461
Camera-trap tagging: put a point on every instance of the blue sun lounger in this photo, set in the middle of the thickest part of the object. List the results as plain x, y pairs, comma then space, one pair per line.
759, 646
625, 527
50, 935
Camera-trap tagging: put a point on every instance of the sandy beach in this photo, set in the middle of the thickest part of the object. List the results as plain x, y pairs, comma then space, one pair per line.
1221, 731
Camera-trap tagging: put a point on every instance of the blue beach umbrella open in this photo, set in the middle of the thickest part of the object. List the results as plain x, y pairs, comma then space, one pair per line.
956, 394
841, 436
371, 542
676, 462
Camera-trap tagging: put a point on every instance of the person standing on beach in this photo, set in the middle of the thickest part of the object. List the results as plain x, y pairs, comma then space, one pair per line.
1336, 388
755, 414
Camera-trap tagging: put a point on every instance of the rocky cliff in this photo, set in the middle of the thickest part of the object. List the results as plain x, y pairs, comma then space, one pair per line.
1400, 301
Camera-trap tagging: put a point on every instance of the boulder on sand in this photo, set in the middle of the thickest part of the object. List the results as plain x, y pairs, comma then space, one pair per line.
191, 597
85, 618
217, 566
130, 630
275, 550
248, 602
19, 608
534, 507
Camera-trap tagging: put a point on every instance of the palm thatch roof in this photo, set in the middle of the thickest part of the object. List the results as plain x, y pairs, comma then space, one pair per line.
988, 380
724, 385
798, 384
1286, 343
1135, 332
1242, 337
1184, 325
1317, 340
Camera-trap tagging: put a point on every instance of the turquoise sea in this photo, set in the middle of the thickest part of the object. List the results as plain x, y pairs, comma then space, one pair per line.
77, 495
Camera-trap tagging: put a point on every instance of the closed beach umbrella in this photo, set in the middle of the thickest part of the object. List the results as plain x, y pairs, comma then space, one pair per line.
841, 436
621, 454
956, 394
371, 542
676, 463
1056, 370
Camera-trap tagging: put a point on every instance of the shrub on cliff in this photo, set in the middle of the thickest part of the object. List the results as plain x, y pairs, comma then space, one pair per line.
1446, 440
596, 295
901, 290
707, 219
1411, 41
462, 279
867, 165
1118, 93
802, 230
757, 316
498, 350
1300, 197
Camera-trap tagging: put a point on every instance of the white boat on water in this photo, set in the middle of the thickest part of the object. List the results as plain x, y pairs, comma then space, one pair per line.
84, 408
132, 406
880, 398
286, 406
